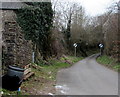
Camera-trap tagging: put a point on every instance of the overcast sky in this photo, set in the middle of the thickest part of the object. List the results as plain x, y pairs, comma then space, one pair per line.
92, 7
95, 7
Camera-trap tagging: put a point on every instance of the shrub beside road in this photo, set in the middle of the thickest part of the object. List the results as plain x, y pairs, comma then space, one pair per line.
109, 62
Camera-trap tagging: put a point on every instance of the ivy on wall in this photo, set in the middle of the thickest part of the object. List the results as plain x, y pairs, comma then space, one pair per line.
35, 20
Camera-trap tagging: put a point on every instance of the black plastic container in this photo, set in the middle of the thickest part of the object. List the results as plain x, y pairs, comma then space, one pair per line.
15, 71
13, 79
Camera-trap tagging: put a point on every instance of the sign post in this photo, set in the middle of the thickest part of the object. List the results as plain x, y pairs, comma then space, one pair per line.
33, 57
101, 46
75, 45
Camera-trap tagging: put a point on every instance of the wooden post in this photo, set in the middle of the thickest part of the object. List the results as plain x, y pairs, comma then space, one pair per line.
100, 51
75, 51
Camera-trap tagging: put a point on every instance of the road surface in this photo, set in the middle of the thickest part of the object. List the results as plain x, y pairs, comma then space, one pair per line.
87, 77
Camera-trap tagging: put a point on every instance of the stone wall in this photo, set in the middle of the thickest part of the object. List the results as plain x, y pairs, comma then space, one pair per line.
15, 49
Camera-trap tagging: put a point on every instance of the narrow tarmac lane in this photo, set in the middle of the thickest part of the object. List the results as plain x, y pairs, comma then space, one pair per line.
87, 77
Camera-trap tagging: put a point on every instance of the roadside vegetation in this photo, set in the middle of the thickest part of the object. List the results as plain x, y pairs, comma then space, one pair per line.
44, 80
109, 62
53, 32
56, 65
93, 51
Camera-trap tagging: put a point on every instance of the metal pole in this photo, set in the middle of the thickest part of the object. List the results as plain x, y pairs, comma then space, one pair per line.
33, 57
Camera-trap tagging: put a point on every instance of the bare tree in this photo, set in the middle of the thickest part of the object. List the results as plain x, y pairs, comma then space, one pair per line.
111, 33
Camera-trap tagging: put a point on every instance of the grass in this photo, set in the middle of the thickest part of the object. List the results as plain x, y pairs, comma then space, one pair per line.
117, 67
74, 59
59, 64
52, 69
109, 62
44, 76
7, 92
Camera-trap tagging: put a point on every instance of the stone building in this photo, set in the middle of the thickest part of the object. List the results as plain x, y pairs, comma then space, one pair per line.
15, 49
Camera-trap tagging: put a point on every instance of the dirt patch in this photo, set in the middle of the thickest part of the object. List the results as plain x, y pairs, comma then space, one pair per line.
48, 88
38, 85
40, 89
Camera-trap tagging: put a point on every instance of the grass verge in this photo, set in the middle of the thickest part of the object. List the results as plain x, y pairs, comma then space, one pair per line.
45, 77
109, 62
63, 62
